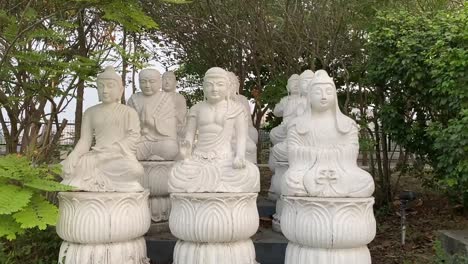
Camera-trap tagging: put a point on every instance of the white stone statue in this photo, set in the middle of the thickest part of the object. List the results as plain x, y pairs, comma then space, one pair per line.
289, 107
210, 165
110, 165
169, 84
327, 212
158, 118
323, 148
106, 221
252, 139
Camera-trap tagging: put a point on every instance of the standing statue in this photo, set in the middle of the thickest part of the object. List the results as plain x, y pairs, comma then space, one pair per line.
110, 165
327, 201
252, 139
158, 118
288, 108
105, 222
169, 84
210, 165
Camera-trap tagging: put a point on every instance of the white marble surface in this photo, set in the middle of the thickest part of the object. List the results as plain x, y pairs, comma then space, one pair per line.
327, 208
98, 217
210, 164
159, 118
127, 252
214, 217
252, 138
169, 85
110, 165
323, 147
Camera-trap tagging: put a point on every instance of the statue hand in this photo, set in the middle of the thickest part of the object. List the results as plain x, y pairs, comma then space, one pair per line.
185, 149
238, 163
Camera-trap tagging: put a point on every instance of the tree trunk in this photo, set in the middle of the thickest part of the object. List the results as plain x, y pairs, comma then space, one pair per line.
80, 86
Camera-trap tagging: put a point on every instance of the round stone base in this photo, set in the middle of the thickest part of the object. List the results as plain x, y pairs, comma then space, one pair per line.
160, 208
102, 217
130, 252
240, 252
329, 223
298, 254
214, 217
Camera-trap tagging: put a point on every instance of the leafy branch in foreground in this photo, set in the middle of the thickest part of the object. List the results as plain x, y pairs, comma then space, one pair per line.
23, 204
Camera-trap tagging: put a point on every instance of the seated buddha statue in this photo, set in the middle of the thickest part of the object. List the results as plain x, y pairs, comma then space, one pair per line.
323, 148
110, 165
158, 118
252, 135
209, 164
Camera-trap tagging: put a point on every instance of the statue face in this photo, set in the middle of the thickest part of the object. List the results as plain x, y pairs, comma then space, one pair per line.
304, 84
293, 86
109, 90
215, 88
322, 97
149, 83
169, 82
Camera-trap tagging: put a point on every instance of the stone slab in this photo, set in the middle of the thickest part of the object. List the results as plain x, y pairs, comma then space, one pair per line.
266, 208
270, 247
454, 241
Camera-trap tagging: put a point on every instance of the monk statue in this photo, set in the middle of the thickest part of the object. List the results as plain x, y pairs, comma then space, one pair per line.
323, 148
210, 164
110, 165
169, 84
252, 139
158, 118
288, 108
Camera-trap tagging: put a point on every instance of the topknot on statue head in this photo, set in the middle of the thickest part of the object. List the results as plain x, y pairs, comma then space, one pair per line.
216, 72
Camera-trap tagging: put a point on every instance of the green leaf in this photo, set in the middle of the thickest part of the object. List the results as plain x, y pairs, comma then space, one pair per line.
47, 185
39, 213
13, 198
9, 228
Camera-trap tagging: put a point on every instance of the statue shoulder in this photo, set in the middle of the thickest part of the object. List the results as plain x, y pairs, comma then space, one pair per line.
196, 108
346, 124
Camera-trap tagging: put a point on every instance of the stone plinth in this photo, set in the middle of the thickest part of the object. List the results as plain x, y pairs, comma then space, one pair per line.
103, 228
328, 230
156, 179
214, 228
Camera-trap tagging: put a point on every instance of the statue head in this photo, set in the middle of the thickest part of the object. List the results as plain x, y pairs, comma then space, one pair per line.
150, 81
109, 85
216, 85
305, 79
169, 82
233, 84
293, 84
322, 96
